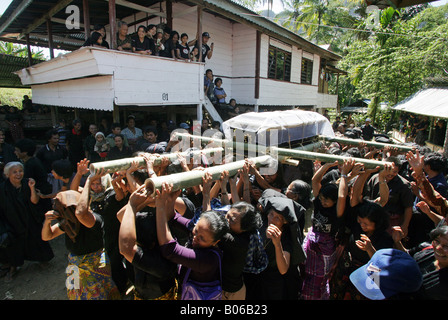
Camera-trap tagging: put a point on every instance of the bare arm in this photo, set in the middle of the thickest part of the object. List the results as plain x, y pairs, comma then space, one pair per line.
317, 177
49, 231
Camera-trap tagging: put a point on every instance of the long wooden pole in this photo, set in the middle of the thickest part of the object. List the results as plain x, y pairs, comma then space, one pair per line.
125, 163
193, 178
308, 155
368, 143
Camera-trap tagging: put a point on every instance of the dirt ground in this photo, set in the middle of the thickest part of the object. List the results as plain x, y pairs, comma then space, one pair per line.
34, 282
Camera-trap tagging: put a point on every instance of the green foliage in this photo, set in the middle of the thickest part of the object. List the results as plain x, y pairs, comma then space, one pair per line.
19, 50
13, 97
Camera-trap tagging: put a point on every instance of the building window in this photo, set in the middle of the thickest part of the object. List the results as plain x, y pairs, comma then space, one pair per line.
307, 71
279, 64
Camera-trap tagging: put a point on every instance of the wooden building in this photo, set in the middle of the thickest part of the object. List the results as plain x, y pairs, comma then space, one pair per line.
263, 65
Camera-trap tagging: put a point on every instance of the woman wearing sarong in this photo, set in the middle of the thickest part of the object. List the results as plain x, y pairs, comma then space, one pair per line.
320, 242
88, 272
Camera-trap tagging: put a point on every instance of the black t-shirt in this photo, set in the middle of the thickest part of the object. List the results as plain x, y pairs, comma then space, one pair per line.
325, 220
147, 44
367, 132
234, 247
33, 168
205, 50
76, 146
169, 47
88, 240
400, 194
435, 282
154, 275
115, 153
108, 209
47, 156
184, 51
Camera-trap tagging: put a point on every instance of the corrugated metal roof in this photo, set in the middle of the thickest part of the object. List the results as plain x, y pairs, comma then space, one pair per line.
8, 65
99, 15
432, 102
240, 13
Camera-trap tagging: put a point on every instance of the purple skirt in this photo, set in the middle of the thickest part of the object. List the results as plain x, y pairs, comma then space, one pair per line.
320, 249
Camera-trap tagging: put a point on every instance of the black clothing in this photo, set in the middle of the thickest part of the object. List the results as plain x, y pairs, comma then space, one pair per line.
154, 274
170, 46
184, 52
33, 168
25, 223
116, 153
367, 132
89, 146
108, 208
435, 282
47, 156
7, 153
75, 148
147, 44
234, 247
400, 194
88, 240
205, 50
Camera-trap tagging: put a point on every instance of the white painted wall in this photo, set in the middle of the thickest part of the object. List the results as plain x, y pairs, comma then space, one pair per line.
144, 80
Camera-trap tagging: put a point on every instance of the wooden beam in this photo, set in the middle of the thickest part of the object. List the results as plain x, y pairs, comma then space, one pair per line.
182, 13
113, 24
86, 18
138, 7
39, 21
15, 14
257, 65
50, 38
30, 54
169, 14
199, 39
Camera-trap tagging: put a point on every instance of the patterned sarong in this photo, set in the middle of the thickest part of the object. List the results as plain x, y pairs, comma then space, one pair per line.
172, 294
89, 277
320, 251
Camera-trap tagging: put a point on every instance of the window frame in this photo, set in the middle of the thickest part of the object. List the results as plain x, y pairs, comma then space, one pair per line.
286, 74
308, 72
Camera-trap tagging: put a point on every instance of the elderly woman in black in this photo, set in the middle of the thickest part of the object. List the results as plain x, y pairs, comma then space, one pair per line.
18, 199
282, 245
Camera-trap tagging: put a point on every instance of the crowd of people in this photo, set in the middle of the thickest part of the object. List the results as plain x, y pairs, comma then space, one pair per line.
154, 40
317, 231
164, 42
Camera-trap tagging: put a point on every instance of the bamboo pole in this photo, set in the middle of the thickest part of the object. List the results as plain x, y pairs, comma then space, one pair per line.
193, 178
357, 142
308, 155
124, 164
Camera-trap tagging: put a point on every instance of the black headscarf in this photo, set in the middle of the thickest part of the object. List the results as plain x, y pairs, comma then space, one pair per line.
293, 213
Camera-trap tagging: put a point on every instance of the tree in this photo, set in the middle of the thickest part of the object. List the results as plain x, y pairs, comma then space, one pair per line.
394, 60
19, 50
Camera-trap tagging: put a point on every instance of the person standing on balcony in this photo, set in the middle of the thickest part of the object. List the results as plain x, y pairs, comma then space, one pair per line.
124, 41
142, 44
207, 51
183, 50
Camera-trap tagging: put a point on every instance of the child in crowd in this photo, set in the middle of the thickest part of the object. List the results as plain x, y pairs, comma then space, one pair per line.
183, 51
101, 146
